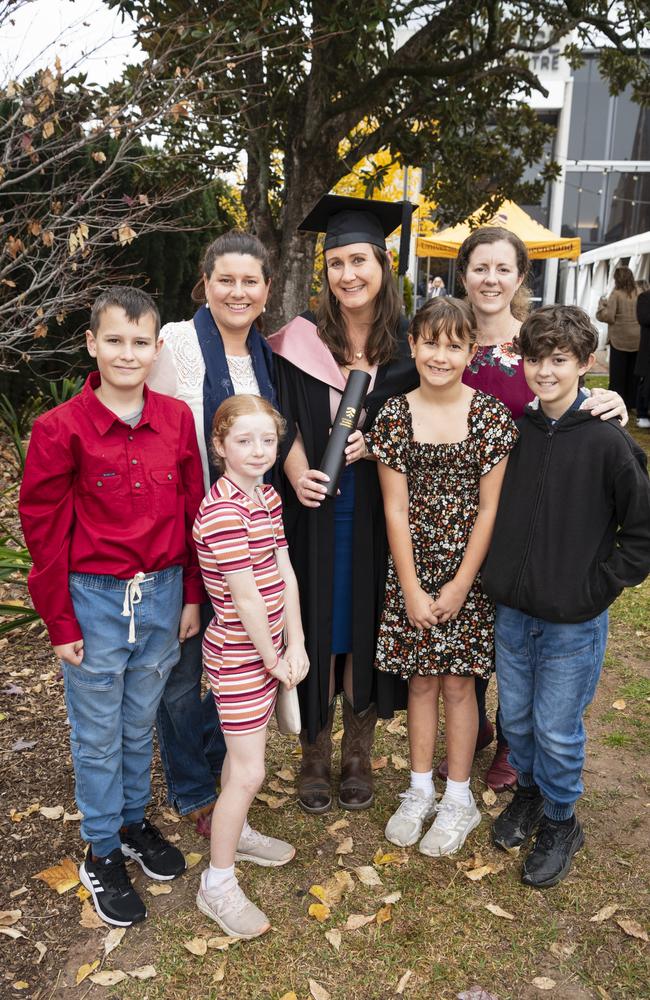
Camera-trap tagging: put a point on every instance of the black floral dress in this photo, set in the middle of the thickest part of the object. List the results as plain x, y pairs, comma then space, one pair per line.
443, 485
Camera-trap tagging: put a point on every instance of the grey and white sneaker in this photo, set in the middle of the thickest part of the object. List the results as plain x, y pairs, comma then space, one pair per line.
452, 826
262, 850
232, 910
405, 825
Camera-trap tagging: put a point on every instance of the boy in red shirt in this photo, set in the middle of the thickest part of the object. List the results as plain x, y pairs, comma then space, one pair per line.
112, 484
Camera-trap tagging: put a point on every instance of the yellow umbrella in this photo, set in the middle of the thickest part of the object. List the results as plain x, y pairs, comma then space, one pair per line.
541, 242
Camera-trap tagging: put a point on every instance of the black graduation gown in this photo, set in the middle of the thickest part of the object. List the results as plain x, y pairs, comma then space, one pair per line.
304, 401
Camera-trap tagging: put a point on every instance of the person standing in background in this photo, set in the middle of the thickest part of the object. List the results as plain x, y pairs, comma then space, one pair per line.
623, 333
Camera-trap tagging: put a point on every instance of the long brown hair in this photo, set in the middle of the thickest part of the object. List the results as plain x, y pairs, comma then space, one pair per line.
624, 280
382, 342
453, 317
520, 305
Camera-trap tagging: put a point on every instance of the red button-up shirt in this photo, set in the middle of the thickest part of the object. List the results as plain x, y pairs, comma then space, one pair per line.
99, 496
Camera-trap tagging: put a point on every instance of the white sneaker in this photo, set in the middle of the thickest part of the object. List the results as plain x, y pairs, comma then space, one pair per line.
232, 910
262, 850
405, 825
643, 422
451, 828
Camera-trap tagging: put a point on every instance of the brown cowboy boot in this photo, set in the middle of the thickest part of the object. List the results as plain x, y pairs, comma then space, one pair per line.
315, 778
355, 791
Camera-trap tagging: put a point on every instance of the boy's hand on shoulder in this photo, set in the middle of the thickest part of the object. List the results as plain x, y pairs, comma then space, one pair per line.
190, 623
450, 600
420, 609
71, 652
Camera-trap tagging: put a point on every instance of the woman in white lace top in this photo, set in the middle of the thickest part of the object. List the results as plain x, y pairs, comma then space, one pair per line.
216, 354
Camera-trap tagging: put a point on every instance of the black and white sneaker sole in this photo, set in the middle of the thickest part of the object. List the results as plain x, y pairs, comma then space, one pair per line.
87, 884
129, 852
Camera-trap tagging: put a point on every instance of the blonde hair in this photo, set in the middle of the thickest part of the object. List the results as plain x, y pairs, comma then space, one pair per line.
240, 406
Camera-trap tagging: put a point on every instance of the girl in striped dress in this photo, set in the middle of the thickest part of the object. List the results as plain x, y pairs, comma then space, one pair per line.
246, 569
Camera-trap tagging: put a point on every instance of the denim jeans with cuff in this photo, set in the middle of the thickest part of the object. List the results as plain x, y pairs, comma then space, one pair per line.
192, 747
547, 674
113, 696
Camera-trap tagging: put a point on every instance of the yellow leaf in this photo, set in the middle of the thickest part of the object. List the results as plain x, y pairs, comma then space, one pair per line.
90, 917
319, 911
357, 920
337, 736
10, 917
332, 891
289, 996
619, 704
159, 889
401, 986
85, 970
29, 120
498, 912
48, 130
489, 797
317, 991
286, 774
126, 235
334, 937
108, 977
384, 914
378, 763
604, 913
220, 972
400, 763
367, 875
113, 939
543, 983
143, 972
192, 859
476, 874
99, 157
632, 928
390, 858
345, 847
197, 946
334, 828
82, 893
20, 984
61, 877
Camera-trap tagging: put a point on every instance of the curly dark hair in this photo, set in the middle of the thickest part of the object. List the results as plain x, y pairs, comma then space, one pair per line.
567, 328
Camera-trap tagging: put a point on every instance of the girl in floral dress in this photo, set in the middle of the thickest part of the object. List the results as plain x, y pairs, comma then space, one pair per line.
442, 451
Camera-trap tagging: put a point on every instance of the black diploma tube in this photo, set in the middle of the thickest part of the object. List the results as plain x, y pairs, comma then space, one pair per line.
345, 423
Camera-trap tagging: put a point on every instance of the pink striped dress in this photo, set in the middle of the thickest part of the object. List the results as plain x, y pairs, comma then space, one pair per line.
234, 533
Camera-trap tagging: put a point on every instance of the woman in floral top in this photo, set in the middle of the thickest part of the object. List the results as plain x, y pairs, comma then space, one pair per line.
493, 265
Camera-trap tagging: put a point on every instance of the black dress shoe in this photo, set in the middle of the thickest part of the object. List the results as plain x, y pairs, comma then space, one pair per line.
519, 819
550, 859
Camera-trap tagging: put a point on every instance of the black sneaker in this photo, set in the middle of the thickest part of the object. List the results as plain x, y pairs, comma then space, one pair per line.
158, 858
519, 819
107, 881
550, 859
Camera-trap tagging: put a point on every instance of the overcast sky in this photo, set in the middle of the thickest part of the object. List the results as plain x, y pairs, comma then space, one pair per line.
85, 31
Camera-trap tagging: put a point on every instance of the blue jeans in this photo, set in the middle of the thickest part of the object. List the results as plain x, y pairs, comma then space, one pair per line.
547, 674
192, 747
112, 697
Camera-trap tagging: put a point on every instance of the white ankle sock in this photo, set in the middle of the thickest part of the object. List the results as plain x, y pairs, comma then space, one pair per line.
458, 791
422, 781
216, 878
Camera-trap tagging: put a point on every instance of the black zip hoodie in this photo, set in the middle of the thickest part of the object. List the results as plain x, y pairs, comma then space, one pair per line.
573, 524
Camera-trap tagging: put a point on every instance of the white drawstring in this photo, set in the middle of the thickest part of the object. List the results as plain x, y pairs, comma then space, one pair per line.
132, 596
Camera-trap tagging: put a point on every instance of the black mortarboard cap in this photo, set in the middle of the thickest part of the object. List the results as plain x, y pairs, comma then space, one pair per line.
347, 220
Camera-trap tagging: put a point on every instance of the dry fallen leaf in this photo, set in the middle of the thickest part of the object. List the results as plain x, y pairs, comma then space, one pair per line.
272, 801
109, 977
61, 877
604, 913
383, 915
367, 875
317, 991
332, 891
169, 816
334, 828
562, 950
113, 939
395, 726
498, 912
85, 970
20, 984
159, 889
602, 993
10, 917
220, 972
543, 983
286, 774
52, 812
11, 932
196, 946
476, 874
400, 763
72, 817
619, 704
378, 763
276, 786
401, 986
337, 736
82, 893
289, 996
192, 859
357, 920
143, 972
319, 911
89, 917
513, 851
392, 898
334, 937
41, 949
489, 797
221, 942
18, 892
345, 847
632, 928
390, 858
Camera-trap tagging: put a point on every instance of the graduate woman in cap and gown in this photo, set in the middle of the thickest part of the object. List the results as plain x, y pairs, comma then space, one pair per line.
338, 546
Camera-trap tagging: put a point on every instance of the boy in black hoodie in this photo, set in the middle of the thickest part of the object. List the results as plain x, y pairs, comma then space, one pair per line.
572, 530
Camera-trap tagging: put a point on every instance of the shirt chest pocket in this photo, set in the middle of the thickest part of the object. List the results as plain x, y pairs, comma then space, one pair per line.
103, 495
166, 487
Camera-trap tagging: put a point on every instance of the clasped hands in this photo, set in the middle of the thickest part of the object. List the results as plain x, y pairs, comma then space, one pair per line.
292, 667
423, 611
